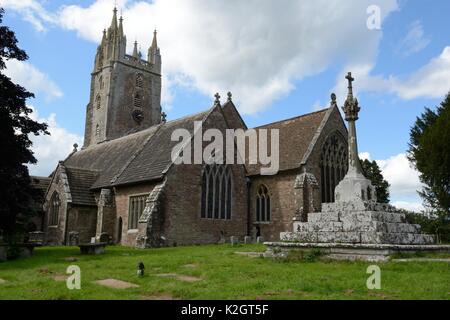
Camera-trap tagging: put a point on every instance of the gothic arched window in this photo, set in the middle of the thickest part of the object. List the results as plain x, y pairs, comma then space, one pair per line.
333, 165
55, 205
98, 101
139, 81
263, 205
217, 192
137, 100
100, 81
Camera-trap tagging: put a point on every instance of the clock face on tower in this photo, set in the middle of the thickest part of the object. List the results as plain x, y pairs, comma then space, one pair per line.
138, 116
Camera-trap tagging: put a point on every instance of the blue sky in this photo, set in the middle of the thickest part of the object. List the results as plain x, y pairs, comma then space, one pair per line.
278, 62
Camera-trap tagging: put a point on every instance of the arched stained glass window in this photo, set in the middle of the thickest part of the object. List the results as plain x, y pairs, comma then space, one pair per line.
263, 205
216, 192
55, 205
333, 165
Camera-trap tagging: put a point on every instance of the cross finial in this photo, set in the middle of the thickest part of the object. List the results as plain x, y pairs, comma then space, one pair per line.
75, 147
217, 96
350, 85
230, 96
163, 117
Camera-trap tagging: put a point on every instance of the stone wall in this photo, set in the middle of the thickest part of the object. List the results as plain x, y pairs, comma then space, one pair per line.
284, 203
183, 223
122, 197
55, 235
82, 220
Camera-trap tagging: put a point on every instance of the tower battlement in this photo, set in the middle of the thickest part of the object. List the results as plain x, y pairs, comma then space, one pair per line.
125, 89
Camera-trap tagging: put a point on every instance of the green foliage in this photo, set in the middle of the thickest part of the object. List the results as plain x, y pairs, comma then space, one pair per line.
373, 173
15, 126
439, 225
429, 151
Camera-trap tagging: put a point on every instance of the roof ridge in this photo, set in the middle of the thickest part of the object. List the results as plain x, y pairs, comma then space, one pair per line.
294, 118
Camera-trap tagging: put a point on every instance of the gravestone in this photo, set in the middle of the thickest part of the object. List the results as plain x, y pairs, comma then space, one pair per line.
248, 240
260, 239
234, 240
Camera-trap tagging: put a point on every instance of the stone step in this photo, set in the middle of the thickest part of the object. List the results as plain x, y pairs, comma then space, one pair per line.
357, 237
356, 217
372, 226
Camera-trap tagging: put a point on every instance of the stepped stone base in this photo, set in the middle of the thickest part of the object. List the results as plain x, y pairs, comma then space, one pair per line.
349, 251
357, 222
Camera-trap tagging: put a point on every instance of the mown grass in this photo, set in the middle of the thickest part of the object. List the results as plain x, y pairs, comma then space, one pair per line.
224, 274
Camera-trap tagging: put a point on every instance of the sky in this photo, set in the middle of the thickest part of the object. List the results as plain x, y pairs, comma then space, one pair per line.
280, 59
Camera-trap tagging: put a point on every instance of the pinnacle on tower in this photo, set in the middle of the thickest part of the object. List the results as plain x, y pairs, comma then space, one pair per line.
154, 42
135, 50
121, 26
114, 19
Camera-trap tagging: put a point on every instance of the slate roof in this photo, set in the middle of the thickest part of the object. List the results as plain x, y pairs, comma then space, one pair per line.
141, 156
41, 184
80, 182
296, 135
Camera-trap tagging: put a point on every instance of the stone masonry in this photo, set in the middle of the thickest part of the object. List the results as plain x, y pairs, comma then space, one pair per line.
356, 217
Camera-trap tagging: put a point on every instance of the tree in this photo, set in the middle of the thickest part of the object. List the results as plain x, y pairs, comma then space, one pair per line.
373, 173
429, 152
16, 197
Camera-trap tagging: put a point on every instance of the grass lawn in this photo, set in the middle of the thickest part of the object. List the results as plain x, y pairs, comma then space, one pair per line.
215, 272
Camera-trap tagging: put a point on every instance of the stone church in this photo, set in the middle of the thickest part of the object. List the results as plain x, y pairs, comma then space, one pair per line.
122, 186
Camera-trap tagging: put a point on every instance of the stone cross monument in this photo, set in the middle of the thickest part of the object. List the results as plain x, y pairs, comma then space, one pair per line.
354, 186
355, 217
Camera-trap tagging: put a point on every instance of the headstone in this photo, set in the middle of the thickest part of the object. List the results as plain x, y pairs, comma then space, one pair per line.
234, 240
93, 240
104, 237
260, 239
74, 238
248, 240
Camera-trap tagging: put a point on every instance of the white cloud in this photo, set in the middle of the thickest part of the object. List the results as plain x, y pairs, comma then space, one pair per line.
365, 156
31, 11
410, 206
49, 149
32, 79
254, 48
430, 81
414, 41
403, 179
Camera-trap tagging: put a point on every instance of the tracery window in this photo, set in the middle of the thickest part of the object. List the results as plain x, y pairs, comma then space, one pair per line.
217, 192
98, 101
263, 205
137, 100
139, 81
137, 206
55, 205
333, 165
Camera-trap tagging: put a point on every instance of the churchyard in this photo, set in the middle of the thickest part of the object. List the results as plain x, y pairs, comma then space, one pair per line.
217, 272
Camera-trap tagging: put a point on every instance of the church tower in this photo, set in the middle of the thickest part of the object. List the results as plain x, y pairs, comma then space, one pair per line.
125, 89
